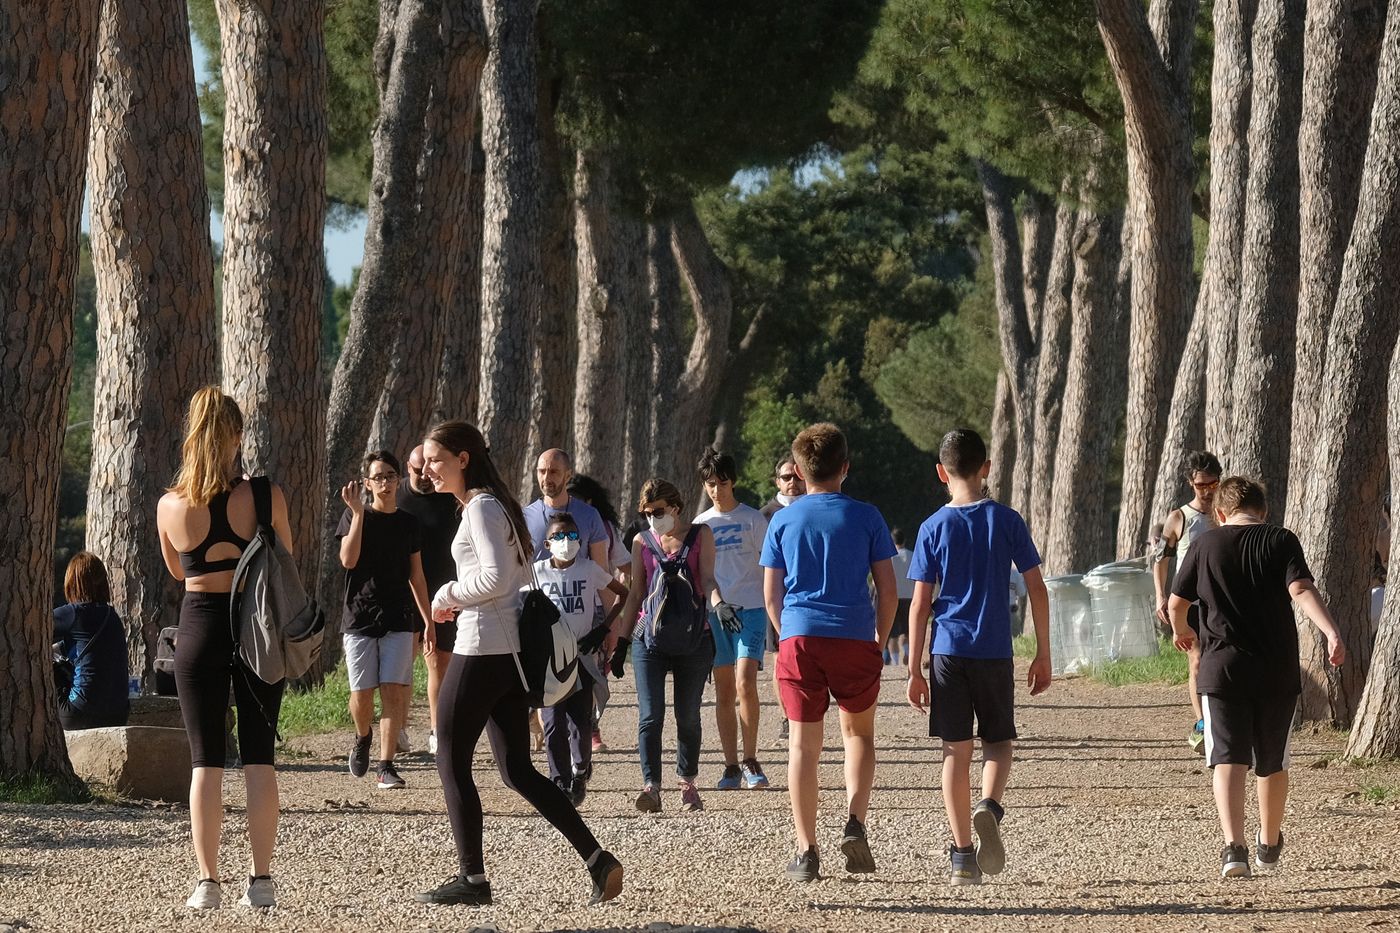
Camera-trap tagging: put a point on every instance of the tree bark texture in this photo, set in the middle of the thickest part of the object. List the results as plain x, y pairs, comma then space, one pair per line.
432, 274
659, 354
1186, 425
1078, 534
1344, 498
1013, 324
612, 277
156, 337
512, 274
47, 54
407, 58
1051, 362
1265, 343
1001, 446
636, 374
1232, 83
1040, 231
459, 371
275, 139
1341, 43
1152, 66
555, 352
735, 385
711, 298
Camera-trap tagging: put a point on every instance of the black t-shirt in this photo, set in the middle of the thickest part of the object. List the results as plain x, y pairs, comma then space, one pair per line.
94, 631
1249, 643
438, 516
378, 599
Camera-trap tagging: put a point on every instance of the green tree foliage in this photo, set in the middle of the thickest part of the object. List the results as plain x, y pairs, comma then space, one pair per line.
843, 267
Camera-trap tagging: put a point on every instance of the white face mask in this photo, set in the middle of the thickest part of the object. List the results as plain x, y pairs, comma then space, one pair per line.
663, 524
787, 500
563, 550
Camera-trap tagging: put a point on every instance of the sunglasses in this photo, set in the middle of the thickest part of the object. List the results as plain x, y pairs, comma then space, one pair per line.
1205, 485
655, 513
787, 477
564, 536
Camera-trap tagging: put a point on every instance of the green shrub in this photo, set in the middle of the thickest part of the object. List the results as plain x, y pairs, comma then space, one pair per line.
39, 789
327, 708
1167, 666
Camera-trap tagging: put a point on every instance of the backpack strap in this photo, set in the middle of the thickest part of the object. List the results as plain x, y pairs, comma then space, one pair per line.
650, 539
262, 502
690, 539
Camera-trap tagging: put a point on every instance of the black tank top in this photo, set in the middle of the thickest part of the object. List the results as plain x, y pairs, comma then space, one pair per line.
194, 561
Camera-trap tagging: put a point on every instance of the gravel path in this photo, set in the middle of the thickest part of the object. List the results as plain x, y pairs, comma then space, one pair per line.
1110, 826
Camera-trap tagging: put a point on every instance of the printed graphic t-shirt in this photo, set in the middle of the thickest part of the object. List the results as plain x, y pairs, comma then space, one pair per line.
739, 537
574, 589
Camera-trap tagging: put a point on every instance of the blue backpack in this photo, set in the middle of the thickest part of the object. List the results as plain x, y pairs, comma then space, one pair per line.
674, 617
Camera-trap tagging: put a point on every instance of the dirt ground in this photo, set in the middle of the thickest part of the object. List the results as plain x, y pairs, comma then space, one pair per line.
1110, 826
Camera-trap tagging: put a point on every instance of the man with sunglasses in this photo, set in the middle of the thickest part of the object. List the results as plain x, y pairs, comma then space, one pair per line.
1183, 526
791, 487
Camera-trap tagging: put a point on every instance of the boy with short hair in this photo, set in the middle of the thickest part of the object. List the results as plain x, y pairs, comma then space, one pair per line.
740, 632
816, 556
574, 583
967, 549
1246, 572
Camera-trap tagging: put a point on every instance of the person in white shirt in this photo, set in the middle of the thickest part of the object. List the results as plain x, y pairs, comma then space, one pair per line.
484, 689
897, 647
572, 582
738, 531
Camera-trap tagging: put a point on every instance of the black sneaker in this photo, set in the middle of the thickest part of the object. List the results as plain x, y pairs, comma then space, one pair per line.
986, 823
1266, 856
962, 867
389, 776
855, 847
606, 872
806, 867
578, 790
1234, 862
456, 890
359, 755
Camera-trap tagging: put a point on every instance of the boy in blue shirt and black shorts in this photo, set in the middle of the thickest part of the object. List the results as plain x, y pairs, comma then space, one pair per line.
816, 557
966, 550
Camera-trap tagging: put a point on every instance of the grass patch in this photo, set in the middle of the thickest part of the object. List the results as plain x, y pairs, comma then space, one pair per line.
1380, 791
327, 708
1167, 666
1023, 646
39, 789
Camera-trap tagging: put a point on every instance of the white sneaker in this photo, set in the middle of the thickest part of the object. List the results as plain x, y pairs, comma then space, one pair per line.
403, 742
259, 893
206, 896
432, 743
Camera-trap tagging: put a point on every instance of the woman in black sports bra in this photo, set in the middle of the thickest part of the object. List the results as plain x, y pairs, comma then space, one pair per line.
205, 521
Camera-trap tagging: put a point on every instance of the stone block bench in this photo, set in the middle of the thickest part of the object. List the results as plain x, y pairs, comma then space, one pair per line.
149, 762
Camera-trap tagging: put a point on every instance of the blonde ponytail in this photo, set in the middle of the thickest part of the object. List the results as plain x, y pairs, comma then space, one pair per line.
212, 425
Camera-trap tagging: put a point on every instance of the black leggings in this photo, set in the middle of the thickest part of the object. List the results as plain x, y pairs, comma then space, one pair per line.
204, 665
484, 692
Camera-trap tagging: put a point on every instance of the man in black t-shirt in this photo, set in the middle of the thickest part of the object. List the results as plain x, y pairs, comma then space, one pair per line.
439, 516
1247, 573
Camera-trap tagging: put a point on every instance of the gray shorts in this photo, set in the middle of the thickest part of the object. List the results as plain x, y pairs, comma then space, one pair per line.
961, 688
375, 661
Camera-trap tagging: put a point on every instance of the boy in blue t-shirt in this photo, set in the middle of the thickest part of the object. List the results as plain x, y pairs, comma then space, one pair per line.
966, 550
816, 557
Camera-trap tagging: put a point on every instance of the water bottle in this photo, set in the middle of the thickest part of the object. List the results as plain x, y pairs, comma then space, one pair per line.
133, 687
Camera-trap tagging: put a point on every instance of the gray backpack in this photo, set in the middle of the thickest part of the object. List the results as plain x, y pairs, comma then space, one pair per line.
277, 628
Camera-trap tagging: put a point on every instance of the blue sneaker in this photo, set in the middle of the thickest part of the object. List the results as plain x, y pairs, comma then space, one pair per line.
732, 779
963, 867
754, 777
1197, 739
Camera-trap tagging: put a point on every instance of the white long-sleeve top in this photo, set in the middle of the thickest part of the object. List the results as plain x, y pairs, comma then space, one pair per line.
491, 581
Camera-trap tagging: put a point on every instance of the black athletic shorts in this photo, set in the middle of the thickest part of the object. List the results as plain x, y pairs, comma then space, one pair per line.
962, 688
1193, 618
1257, 732
446, 635
901, 619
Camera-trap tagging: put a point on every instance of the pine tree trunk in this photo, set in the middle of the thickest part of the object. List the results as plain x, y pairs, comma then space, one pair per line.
1040, 234
156, 338
611, 276
1152, 65
1095, 377
47, 57
275, 141
1186, 426
1340, 46
1265, 343
555, 350
433, 272
459, 372
1231, 89
735, 385
1051, 365
1344, 499
407, 55
660, 356
1001, 446
1013, 324
512, 272
707, 281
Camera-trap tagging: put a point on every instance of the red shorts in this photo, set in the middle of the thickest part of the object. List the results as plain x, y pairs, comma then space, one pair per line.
812, 669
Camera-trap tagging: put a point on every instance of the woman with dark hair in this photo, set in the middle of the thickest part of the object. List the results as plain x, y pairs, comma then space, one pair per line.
205, 521
91, 636
484, 688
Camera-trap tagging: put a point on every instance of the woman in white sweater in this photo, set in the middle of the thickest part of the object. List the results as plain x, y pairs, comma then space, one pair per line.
484, 687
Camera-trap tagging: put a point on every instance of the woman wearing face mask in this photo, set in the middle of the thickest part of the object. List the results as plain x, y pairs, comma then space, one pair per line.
661, 504
484, 686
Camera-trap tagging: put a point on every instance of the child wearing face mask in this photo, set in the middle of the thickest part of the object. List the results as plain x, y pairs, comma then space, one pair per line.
573, 583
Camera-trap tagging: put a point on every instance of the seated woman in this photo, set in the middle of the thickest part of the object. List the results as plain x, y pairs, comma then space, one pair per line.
94, 639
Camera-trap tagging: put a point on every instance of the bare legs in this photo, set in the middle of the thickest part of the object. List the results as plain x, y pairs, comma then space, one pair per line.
393, 714
957, 787
1193, 667
207, 814
858, 737
1229, 784
737, 681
